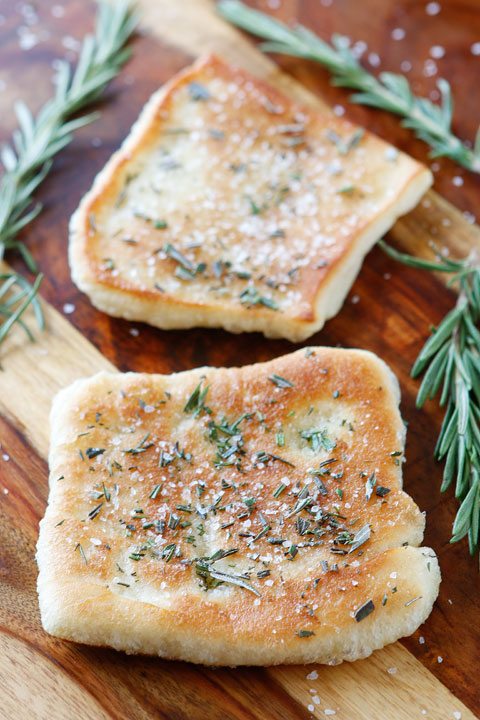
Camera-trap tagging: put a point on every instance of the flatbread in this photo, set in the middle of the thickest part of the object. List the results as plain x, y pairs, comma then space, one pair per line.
230, 206
234, 516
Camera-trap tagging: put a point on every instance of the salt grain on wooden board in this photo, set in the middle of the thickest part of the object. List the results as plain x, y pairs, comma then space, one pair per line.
437, 51
430, 68
359, 48
433, 8
313, 675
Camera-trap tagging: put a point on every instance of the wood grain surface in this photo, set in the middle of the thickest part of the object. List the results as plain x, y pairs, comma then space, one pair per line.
388, 311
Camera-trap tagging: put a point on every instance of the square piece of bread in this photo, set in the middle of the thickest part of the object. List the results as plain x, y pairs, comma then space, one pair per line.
230, 206
236, 516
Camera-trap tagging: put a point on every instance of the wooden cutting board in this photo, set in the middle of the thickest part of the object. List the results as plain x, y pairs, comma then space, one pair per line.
388, 311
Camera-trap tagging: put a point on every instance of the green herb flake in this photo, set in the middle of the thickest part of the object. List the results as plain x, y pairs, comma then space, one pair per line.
198, 92
280, 437
364, 610
318, 439
155, 491
141, 447
280, 381
381, 491
196, 401
80, 549
250, 297
168, 551
94, 452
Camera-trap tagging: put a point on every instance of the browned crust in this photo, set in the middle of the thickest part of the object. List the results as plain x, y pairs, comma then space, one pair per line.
316, 284
167, 612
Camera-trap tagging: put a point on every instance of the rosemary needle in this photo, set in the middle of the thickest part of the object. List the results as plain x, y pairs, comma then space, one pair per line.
450, 362
28, 159
391, 92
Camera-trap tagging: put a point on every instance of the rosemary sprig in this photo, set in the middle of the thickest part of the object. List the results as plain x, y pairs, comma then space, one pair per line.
391, 92
450, 361
28, 159
16, 294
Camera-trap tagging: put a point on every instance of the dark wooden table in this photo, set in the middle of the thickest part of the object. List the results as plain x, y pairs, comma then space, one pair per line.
388, 310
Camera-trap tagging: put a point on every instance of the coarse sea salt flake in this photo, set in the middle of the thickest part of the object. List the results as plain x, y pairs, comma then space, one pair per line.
312, 675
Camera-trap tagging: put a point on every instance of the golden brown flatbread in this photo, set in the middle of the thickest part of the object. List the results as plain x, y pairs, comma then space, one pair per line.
230, 206
234, 516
